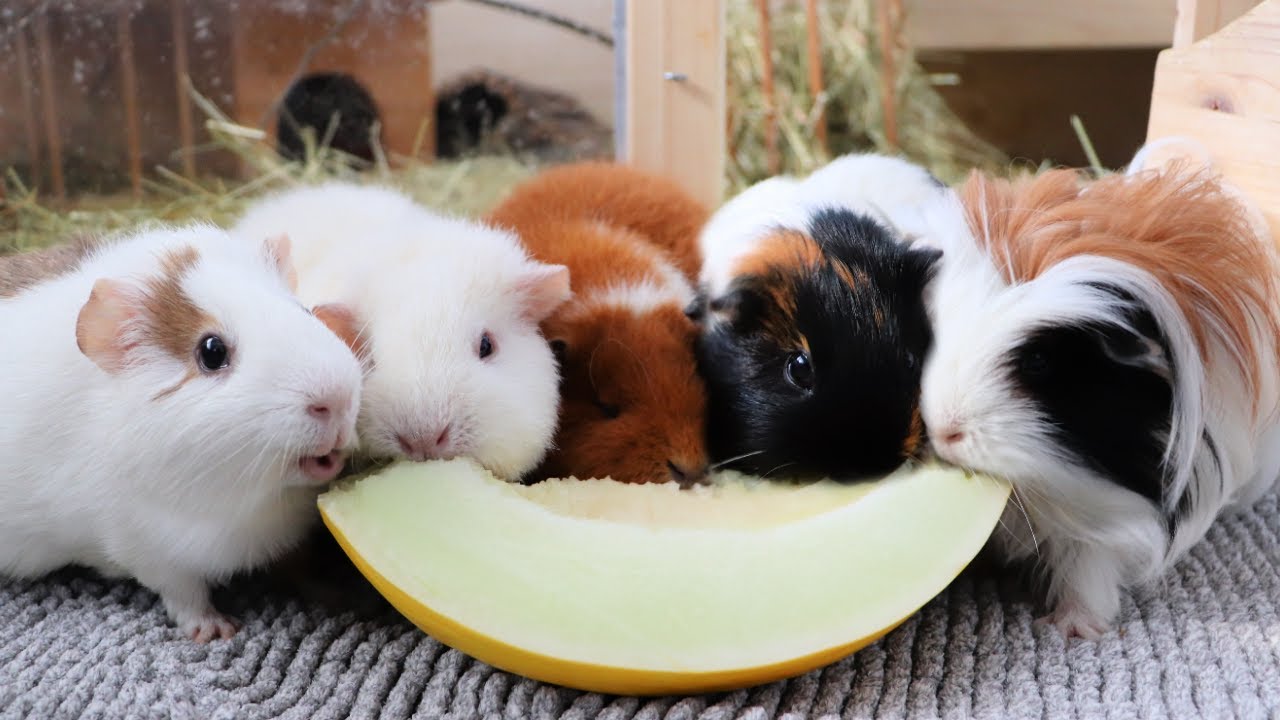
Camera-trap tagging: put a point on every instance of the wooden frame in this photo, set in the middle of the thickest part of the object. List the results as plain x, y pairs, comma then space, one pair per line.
1222, 90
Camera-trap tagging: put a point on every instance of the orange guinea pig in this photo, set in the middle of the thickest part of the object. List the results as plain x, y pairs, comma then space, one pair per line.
633, 406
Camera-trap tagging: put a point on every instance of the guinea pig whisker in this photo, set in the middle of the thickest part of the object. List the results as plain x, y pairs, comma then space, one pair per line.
722, 463
1022, 508
786, 464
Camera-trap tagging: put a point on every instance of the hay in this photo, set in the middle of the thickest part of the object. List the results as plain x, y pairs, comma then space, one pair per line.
927, 131
468, 186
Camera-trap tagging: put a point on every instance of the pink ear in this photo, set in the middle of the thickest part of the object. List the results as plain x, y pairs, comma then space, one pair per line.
280, 253
103, 321
342, 320
542, 289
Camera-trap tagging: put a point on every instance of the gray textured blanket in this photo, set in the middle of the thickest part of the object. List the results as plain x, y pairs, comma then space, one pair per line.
1205, 645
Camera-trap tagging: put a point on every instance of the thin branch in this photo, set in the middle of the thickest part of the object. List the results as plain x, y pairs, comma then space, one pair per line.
552, 18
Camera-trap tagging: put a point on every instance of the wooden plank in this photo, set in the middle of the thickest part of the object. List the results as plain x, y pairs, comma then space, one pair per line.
129, 94
1224, 93
1029, 24
675, 95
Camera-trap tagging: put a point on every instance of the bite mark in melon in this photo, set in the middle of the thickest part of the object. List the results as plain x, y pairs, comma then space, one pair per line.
648, 589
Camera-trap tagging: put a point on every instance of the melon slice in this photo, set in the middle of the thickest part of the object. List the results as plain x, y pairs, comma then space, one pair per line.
648, 589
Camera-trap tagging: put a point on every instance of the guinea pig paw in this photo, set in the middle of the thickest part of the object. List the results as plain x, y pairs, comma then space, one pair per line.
1073, 621
211, 625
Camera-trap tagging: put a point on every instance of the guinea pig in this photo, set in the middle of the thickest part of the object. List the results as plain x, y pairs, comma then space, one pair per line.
634, 407
448, 311
170, 413
1108, 348
814, 325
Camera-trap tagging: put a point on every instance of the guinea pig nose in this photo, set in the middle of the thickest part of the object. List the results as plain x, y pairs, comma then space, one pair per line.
686, 474
951, 435
318, 411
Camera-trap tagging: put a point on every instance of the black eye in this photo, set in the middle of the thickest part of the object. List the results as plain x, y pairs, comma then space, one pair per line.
1034, 363
211, 353
799, 371
486, 346
608, 410
912, 361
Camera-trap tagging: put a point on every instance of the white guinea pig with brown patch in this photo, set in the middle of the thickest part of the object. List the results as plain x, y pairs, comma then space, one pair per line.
448, 312
170, 411
1109, 348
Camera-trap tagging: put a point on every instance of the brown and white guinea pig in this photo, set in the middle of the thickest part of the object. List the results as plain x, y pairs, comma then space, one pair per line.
1110, 351
633, 406
814, 321
448, 312
170, 413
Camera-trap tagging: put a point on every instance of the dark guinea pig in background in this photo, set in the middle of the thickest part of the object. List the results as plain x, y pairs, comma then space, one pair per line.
814, 326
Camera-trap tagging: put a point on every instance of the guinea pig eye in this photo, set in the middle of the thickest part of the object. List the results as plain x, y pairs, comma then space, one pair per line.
211, 353
799, 371
486, 346
608, 410
912, 362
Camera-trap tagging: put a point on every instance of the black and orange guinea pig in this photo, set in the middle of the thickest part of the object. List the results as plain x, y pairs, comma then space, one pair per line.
632, 404
815, 326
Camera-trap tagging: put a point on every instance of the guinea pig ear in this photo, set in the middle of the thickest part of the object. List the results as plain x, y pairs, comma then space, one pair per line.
279, 250
102, 327
740, 307
559, 348
541, 289
925, 259
1136, 349
344, 323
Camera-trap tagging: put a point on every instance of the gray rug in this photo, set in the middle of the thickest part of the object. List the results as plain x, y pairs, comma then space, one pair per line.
1206, 645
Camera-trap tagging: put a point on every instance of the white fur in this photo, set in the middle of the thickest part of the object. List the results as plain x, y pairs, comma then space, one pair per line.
894, 191
177, 491
426, 287
1093, 537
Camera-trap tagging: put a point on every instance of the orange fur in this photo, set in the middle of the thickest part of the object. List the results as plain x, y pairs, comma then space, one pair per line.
619, 196
1182, 227
612, 227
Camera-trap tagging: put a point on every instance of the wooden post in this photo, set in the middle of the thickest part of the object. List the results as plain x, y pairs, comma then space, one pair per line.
773, 161
1224, 94
675, 92
28, 105
50, 104
815, 72
129, 93
888, 14
181, 76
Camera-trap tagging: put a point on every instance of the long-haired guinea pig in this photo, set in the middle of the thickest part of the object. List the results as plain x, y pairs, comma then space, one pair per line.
448, 310
1109, 348
633, 405
169, 414
814, 324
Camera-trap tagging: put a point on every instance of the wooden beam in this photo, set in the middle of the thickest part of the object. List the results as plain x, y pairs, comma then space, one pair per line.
48, 94
773, 160
813, 42
129, 94
1046, 24
1224, 94
675, 92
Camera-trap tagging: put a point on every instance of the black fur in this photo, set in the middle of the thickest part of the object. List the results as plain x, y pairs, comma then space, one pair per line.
313, 101
1106, 394
464, 118
855, 422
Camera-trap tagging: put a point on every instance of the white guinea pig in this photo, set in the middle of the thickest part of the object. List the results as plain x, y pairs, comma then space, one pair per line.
1111, 352
449, 312
170, 411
